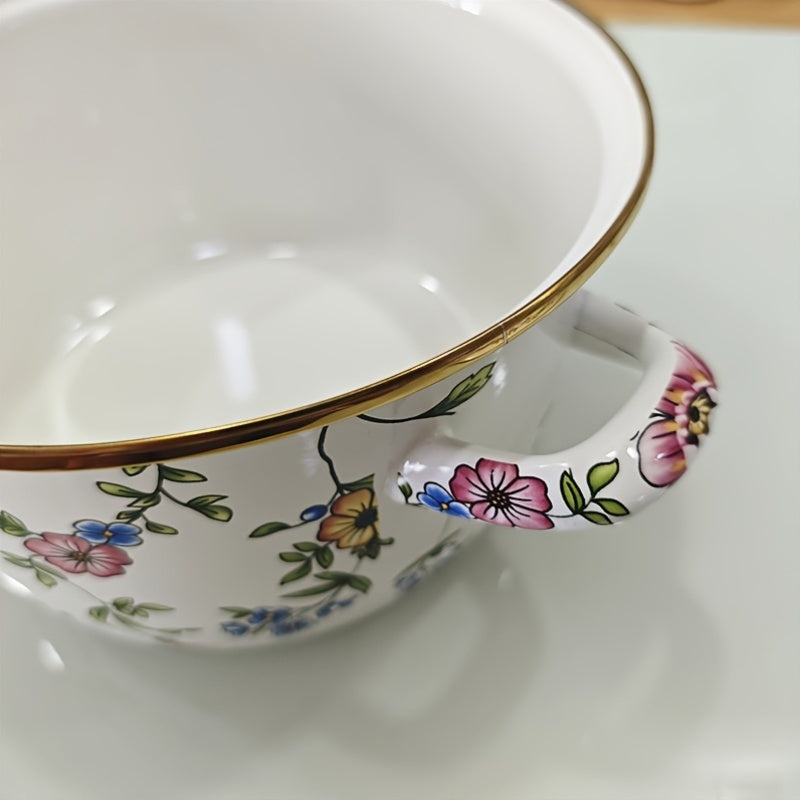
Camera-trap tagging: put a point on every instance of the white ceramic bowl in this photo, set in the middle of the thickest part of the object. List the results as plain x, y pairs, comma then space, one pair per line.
318, 229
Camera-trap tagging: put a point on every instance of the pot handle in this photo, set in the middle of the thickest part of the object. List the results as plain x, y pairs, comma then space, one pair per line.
645, 448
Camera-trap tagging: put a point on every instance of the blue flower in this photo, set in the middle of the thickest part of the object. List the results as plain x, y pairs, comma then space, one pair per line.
290, 625
408, 581
326, 609
313, 512
117, 533
235, 628
258, 615
437, 497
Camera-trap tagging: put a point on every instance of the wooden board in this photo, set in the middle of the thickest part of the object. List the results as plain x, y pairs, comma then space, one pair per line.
700, 12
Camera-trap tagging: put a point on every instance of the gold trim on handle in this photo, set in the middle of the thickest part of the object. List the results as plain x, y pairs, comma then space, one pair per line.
160, 448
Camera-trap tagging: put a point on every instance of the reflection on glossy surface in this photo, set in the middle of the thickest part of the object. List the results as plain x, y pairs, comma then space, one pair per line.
655, 664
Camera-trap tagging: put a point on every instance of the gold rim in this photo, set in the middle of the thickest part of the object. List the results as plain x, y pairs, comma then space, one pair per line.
161, 448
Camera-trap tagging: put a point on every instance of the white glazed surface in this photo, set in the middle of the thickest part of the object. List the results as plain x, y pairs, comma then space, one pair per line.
653, 662
258, 205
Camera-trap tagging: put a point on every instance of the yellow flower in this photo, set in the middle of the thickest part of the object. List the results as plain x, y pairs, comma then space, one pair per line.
353, 520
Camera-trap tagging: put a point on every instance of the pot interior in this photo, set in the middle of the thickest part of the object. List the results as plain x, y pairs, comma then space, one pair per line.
214, 211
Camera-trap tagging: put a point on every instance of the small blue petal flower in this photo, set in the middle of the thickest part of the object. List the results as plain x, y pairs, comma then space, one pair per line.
438, 493
281, 613
323, 611
313, 512
288, 626
258, 616
348, 601
438, 498
234, 628
407, 582
121, 534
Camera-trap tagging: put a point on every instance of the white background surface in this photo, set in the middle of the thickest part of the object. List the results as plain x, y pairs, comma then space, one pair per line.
657, 660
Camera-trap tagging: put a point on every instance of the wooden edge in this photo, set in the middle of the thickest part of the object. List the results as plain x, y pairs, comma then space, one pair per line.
778, 13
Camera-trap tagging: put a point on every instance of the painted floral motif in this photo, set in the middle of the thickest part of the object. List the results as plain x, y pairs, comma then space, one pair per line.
280, 620
120, 534
76, 555
680, 421
100, 549
350, 521
439, 499
495, 492
430, 561
353, 520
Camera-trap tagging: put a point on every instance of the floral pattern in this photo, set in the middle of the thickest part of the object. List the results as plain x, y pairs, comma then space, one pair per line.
353, 520
439, 499
680, 421
430, 561
350, 521
74, 554
495, 492
120, 534
97, 549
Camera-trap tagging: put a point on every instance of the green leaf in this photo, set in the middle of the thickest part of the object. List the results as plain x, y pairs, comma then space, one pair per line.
20, 561
237, 611
51, 571
219, 513
123, 604
11, 524
298, 573
290, 556
309, 591
126, 620
600, 475
306, 547
203, 500
45, 577
613, 507
155, 607
180, 475
158, 527
268, 528
324, 557
118, 490
135, 469
404, 486
367, 482
148, 501
128, 516
462, 392
337, 578
99, 613
372, 549
596, 517
571, 493
359, 583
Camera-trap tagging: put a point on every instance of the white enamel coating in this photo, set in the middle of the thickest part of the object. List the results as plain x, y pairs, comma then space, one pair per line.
256, 205
623, 483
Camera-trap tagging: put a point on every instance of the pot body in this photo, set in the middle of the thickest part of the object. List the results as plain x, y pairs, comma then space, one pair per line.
295, 535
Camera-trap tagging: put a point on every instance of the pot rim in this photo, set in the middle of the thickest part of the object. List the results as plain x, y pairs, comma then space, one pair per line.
394, 387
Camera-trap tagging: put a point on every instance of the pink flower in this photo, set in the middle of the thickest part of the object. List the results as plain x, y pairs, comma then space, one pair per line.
495, 492
681, 420
74, 554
